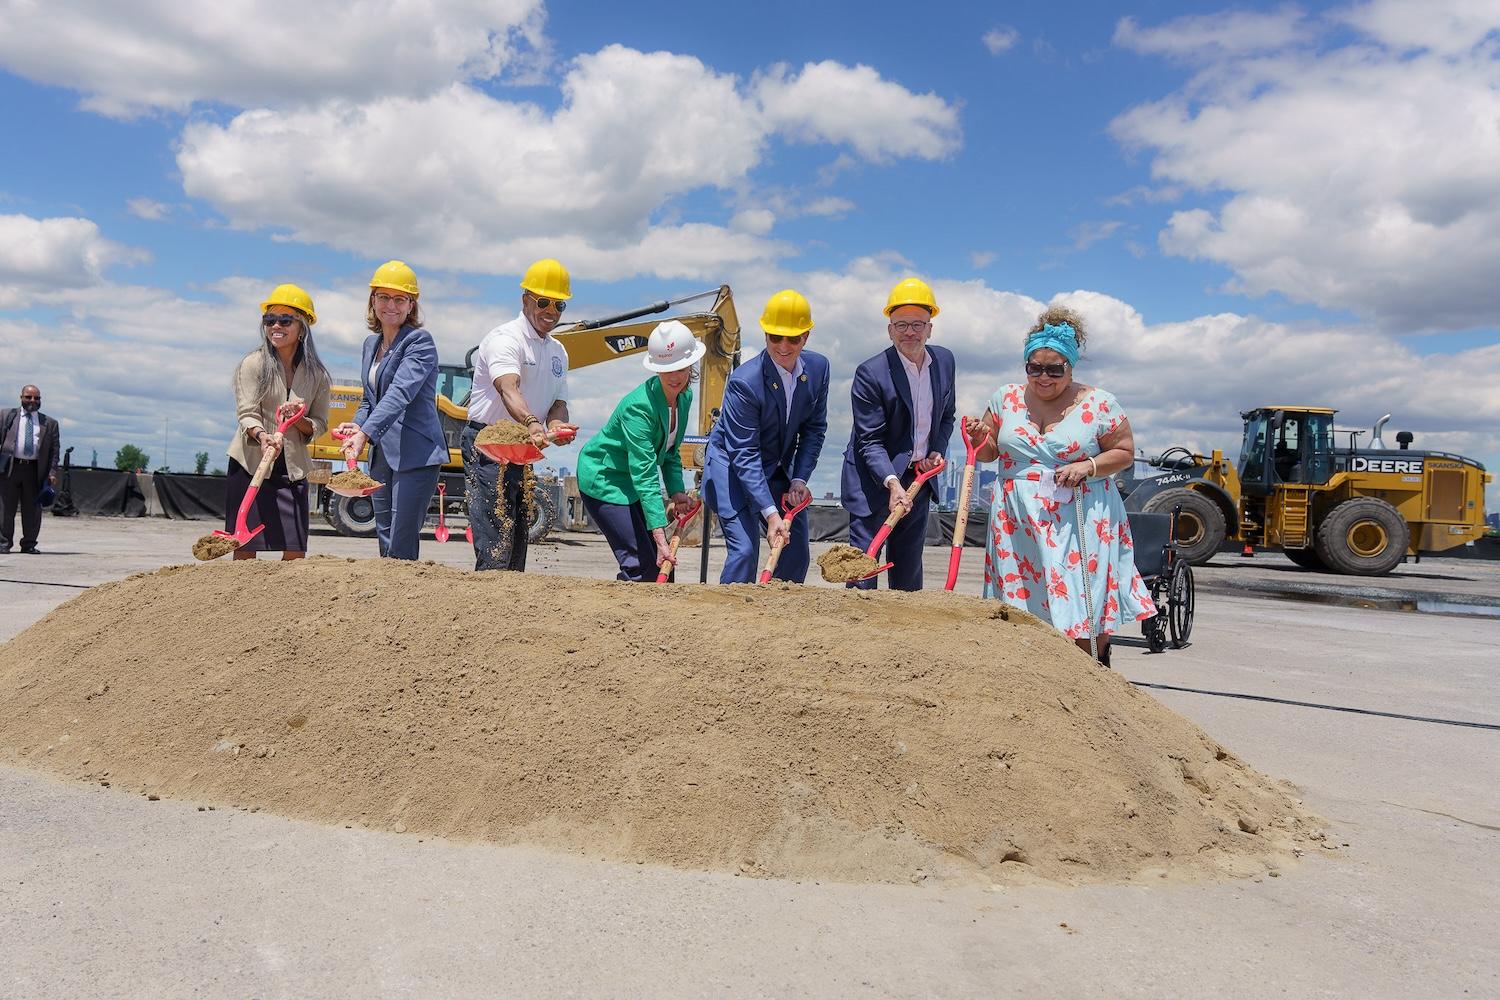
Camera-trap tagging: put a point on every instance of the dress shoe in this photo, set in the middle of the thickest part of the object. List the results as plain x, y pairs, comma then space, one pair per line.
4, 550
30, 550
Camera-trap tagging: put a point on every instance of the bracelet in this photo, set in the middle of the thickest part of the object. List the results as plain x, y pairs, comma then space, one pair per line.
1093, 465
530, 418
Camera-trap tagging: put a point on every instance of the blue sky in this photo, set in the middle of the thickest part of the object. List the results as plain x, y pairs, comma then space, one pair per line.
1246, 202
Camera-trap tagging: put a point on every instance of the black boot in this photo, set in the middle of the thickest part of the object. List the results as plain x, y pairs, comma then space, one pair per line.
1104, 657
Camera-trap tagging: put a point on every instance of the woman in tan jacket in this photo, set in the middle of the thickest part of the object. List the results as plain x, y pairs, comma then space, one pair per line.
270, 384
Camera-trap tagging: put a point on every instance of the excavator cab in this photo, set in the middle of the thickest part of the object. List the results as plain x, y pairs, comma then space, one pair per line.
1285, 446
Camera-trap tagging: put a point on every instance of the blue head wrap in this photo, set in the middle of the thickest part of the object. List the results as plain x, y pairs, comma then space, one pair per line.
1060, 338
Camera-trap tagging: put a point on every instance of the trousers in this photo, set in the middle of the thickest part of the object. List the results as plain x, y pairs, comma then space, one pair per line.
497, 507
401, 507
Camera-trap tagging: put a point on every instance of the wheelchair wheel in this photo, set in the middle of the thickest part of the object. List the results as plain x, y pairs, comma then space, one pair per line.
1155, 631
1180, 603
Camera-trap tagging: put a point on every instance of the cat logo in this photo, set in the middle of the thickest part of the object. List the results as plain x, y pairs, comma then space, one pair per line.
1405, 466
624, 343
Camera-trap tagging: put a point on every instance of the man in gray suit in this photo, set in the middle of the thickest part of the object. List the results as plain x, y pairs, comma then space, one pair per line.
28, 458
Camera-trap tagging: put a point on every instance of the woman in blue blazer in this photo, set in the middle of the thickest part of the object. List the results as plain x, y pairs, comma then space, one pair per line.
397, 414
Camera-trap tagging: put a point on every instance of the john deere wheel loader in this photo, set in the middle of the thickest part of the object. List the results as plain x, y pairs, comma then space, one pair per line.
587, 343
1341, 509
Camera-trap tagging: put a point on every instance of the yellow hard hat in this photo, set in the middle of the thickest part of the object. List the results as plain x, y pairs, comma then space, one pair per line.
549, 279
294, 296
911, 292
787, 314
396, 274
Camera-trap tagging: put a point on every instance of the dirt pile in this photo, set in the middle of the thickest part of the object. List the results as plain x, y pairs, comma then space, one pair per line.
775, 730
353, 479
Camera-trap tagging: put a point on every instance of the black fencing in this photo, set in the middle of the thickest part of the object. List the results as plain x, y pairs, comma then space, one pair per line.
190, 498
105, 492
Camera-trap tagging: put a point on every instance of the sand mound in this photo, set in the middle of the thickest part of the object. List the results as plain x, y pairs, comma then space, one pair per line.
775, 730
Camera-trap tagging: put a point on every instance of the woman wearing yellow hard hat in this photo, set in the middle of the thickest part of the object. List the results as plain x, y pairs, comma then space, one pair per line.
271, 383
397, 415
623, 468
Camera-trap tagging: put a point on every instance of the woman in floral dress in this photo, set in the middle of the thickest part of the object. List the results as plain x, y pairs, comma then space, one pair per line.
1053, 438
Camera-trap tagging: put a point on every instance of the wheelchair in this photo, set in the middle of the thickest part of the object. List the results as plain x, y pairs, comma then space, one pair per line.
1169, 577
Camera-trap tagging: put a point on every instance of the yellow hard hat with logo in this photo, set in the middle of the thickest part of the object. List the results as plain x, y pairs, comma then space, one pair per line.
911, 292
787, 314
548, 279
294, 296
396, 274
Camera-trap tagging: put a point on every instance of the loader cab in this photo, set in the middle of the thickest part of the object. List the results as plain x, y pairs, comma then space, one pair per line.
1285, 445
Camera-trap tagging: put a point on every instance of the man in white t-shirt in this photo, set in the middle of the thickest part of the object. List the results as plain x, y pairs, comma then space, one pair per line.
520, 374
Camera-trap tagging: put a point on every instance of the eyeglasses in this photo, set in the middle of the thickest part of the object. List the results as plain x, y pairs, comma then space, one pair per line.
30, 397
1036, 370
776, 338
277, 319
911, 326
543, 305
388, 300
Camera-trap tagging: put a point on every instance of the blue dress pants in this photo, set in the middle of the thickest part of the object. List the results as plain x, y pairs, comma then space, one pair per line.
742, 534
903, 547
401, 507
624, 527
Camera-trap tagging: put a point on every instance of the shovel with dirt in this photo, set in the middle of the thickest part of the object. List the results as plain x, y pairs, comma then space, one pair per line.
221, 543
352, 482
846, 564
788, 512
508, 441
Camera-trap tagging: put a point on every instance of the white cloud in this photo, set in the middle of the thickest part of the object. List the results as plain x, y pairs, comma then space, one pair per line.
460, 180
828, 206
127, 58
145, 208
1200, 35
981, 259
855, 106
1000, 39
1450, 27
1086, 234
43, 256
1358, 178
756, 221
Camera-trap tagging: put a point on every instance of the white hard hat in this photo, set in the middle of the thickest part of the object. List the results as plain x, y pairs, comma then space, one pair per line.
672, 347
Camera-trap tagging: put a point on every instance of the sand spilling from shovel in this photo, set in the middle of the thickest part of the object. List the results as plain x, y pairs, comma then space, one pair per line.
845, 564
353, 479
885, 737
213, 546
503, 432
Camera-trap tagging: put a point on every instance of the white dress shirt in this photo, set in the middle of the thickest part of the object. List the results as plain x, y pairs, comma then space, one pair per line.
36, 434
920, 380
789, 387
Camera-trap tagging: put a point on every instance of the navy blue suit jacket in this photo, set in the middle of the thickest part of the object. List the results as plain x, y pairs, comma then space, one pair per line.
754, 440
880, 443
399, 413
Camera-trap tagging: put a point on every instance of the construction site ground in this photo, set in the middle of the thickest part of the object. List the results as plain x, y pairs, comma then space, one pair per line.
1361, 705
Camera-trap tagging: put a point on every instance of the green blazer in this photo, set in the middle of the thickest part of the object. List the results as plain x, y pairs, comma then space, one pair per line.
630, 457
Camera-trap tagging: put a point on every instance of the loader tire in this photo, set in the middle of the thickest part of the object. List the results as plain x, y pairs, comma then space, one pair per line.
544, 518
352, 516
1307, 559
1200, 526
1363, 537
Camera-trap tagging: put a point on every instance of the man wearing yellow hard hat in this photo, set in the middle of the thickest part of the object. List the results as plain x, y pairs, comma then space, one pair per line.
904, 409
766, 443
520, 374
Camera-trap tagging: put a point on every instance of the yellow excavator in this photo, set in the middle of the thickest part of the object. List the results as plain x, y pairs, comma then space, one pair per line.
587, 343
1329, 506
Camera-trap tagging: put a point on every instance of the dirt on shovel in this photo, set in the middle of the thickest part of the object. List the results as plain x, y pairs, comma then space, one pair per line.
504, 432
845, 564
354, 479
213, 546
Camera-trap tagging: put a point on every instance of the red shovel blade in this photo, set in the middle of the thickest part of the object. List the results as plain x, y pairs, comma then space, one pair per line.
441, 534
517, 454
242, 535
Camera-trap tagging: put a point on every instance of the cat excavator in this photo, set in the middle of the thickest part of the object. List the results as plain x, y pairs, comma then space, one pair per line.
588, 343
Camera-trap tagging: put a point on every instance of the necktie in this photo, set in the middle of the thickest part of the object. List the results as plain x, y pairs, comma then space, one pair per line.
30, 449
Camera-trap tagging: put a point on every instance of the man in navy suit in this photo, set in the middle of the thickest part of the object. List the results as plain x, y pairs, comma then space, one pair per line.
904, 404
28, 462
766, 443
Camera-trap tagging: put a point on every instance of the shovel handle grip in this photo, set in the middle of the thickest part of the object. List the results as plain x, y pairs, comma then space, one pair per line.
665, 569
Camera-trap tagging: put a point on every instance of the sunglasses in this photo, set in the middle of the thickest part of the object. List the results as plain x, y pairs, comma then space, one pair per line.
776, 338
31, 397
1036, 370
544, 304
277, 319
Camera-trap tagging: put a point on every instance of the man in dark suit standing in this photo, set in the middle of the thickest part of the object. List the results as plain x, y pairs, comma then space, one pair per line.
904, 405
28, 458
766, 443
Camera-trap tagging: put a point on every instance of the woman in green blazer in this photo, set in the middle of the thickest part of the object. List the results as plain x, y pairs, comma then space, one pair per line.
622, 469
